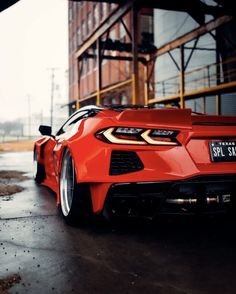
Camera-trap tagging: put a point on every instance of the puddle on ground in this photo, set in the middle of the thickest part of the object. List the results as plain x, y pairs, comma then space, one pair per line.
8, 282
7, 180
6, 190
12, 175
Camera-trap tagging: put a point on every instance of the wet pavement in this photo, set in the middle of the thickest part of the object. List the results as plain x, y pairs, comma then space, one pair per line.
181, 256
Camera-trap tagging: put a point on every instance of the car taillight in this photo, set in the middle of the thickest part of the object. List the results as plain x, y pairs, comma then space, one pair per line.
160, 137
138, 136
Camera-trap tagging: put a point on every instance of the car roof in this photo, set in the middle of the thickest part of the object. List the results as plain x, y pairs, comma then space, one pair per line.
89, 107
115, 107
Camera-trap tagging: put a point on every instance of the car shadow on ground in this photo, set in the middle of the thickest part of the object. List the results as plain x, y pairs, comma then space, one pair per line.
209, 229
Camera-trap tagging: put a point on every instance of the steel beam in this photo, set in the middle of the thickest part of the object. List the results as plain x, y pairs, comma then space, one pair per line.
118, 57
116, 86
113, 18
135, 74
99, 71
124, 58
211, 25
146, 85
126, 29
191, 53
195, 8
107, 89
182, 76
218, 80
79, 76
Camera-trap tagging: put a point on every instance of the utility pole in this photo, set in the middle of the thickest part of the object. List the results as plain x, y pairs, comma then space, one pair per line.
52, 69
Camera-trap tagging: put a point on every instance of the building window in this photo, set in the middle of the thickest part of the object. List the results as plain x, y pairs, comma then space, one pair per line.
77, 7
115, 100
78, 37
74, 42
88, 65
75, 72
89, 22
112, 35
70, 45
123, 31
147, 23
210, 104
83, 67
113, 6
70, 15
103, 10
147, 28
124, 99
73, 11
83, 27
72, 75
95, 59
127, 68
95, 15
195, 104
228, 104
74, 7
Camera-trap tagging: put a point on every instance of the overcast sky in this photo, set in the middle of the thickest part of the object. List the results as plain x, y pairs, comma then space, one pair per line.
33, 38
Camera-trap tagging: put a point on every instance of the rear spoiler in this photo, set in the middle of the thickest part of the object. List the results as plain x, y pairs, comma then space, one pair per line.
213, 120
170, 117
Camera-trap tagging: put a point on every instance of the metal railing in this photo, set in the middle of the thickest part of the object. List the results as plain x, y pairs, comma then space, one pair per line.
203, 79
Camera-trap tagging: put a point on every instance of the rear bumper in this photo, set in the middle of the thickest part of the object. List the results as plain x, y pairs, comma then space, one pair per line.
203, 194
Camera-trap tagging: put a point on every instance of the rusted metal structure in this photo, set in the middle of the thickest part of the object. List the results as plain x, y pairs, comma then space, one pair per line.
213, 79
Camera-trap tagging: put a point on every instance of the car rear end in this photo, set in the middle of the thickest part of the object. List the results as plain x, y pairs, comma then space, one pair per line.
211, 144
156, 161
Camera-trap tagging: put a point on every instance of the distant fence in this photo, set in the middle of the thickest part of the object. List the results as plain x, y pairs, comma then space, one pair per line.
6, 139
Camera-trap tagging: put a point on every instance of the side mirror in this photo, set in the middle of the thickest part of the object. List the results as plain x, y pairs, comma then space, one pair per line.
45, 130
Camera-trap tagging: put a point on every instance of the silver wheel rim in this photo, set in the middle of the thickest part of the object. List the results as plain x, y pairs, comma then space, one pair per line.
67, 180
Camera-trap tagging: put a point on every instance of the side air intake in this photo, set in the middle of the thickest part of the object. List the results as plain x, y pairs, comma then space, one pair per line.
123, 162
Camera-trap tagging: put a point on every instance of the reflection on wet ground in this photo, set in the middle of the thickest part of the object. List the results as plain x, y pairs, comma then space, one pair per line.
188, 255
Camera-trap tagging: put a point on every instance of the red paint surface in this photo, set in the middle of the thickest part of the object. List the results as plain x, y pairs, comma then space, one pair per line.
161, 163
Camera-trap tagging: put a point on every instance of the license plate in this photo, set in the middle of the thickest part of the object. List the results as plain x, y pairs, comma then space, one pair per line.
223, 151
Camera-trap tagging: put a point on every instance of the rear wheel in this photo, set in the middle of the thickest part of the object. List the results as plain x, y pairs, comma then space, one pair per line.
74, 198
39, 171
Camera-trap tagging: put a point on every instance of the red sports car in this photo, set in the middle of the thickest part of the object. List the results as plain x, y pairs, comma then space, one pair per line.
139, 161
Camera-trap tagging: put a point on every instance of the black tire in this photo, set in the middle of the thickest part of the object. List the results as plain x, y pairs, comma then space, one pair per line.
75, 198
39, 170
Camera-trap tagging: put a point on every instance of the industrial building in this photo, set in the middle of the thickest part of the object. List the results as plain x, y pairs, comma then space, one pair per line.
163, 53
